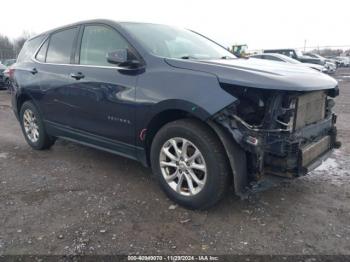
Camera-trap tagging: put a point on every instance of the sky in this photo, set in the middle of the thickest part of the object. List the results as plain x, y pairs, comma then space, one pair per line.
259, 24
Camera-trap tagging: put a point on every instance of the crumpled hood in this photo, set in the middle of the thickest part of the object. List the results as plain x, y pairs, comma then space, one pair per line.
259, 73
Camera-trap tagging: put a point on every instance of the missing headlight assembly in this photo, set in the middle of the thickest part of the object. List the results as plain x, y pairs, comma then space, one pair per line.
283, 133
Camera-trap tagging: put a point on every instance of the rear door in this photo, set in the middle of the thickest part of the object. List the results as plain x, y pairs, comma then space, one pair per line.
104, 94
54, 64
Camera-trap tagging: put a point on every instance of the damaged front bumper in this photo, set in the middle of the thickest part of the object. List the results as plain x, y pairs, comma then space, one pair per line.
284, 152
287, 154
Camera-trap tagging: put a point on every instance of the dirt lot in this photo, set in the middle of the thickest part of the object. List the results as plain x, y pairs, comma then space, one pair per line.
76, 200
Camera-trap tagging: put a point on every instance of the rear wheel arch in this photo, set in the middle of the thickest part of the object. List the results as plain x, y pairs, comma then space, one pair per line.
21, 99
24, 97
31, 121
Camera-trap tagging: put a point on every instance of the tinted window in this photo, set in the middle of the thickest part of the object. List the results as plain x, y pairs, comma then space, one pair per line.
269, 57
97, 42
41, 55
61, 46
29, 48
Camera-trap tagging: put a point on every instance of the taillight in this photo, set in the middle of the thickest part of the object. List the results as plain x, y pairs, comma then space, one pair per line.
11, 73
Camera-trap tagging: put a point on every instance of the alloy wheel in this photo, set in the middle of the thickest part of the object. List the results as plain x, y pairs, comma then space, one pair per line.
183, 166
31, 127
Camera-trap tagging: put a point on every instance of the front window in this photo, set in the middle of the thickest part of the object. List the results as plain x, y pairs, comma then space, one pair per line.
171, 42
97, 42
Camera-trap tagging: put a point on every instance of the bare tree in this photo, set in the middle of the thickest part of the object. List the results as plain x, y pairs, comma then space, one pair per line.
6, 48
10, 49
19, 42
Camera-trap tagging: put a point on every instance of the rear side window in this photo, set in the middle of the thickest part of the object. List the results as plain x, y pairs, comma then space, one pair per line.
41, 55
29, 48
97, 41
61, 46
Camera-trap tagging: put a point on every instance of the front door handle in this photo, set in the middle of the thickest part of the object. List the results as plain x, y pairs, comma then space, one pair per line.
34, 71
77, 76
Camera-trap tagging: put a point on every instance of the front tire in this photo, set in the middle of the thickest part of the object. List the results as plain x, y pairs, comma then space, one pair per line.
33, 127
190, 164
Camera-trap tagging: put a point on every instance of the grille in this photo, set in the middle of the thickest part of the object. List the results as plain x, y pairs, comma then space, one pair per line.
310, 108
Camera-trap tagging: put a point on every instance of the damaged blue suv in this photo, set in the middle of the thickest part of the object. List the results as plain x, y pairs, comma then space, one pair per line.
176, 101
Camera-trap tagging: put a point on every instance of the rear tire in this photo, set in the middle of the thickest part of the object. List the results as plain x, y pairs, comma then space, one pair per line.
210, 164
33, 127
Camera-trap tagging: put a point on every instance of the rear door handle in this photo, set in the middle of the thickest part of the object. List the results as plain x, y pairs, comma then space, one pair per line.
77, 76
34, 71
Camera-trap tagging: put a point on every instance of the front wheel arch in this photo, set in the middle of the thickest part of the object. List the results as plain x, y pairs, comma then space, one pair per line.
237, 158
158, 121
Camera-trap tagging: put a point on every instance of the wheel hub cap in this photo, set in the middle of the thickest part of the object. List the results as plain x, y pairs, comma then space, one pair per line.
183, 166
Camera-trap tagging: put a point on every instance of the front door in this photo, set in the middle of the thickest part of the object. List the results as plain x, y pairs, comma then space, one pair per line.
103, 95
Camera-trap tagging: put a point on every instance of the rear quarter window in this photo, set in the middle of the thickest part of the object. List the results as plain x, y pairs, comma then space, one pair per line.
41, 55
29, 48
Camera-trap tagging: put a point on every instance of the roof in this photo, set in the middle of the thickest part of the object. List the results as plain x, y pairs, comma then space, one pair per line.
102, 21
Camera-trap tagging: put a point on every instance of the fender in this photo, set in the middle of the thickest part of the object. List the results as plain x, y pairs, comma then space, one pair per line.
18, 97
183, 105
237, 159
166, 109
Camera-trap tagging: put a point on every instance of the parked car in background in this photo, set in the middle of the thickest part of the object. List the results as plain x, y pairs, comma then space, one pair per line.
176, 101
317, 56
336, 60
9, 62
2, 78
7, 73
287, 59
331, 64
331, 67
345, 61
7, 76
296, 54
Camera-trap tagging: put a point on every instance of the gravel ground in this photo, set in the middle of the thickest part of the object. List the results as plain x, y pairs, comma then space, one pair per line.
76, 200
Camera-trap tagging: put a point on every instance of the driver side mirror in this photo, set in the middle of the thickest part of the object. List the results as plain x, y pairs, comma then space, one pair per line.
122, 57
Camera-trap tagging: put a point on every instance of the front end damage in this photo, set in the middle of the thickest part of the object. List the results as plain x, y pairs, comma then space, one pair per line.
283, 133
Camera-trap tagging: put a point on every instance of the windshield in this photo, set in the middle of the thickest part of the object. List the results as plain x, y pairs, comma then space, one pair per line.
291, 60
171, 42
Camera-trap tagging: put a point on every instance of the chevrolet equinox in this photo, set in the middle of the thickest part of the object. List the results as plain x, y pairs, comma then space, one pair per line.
176, 101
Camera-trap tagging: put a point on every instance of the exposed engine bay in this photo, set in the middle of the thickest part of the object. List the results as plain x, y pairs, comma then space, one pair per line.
284, 133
